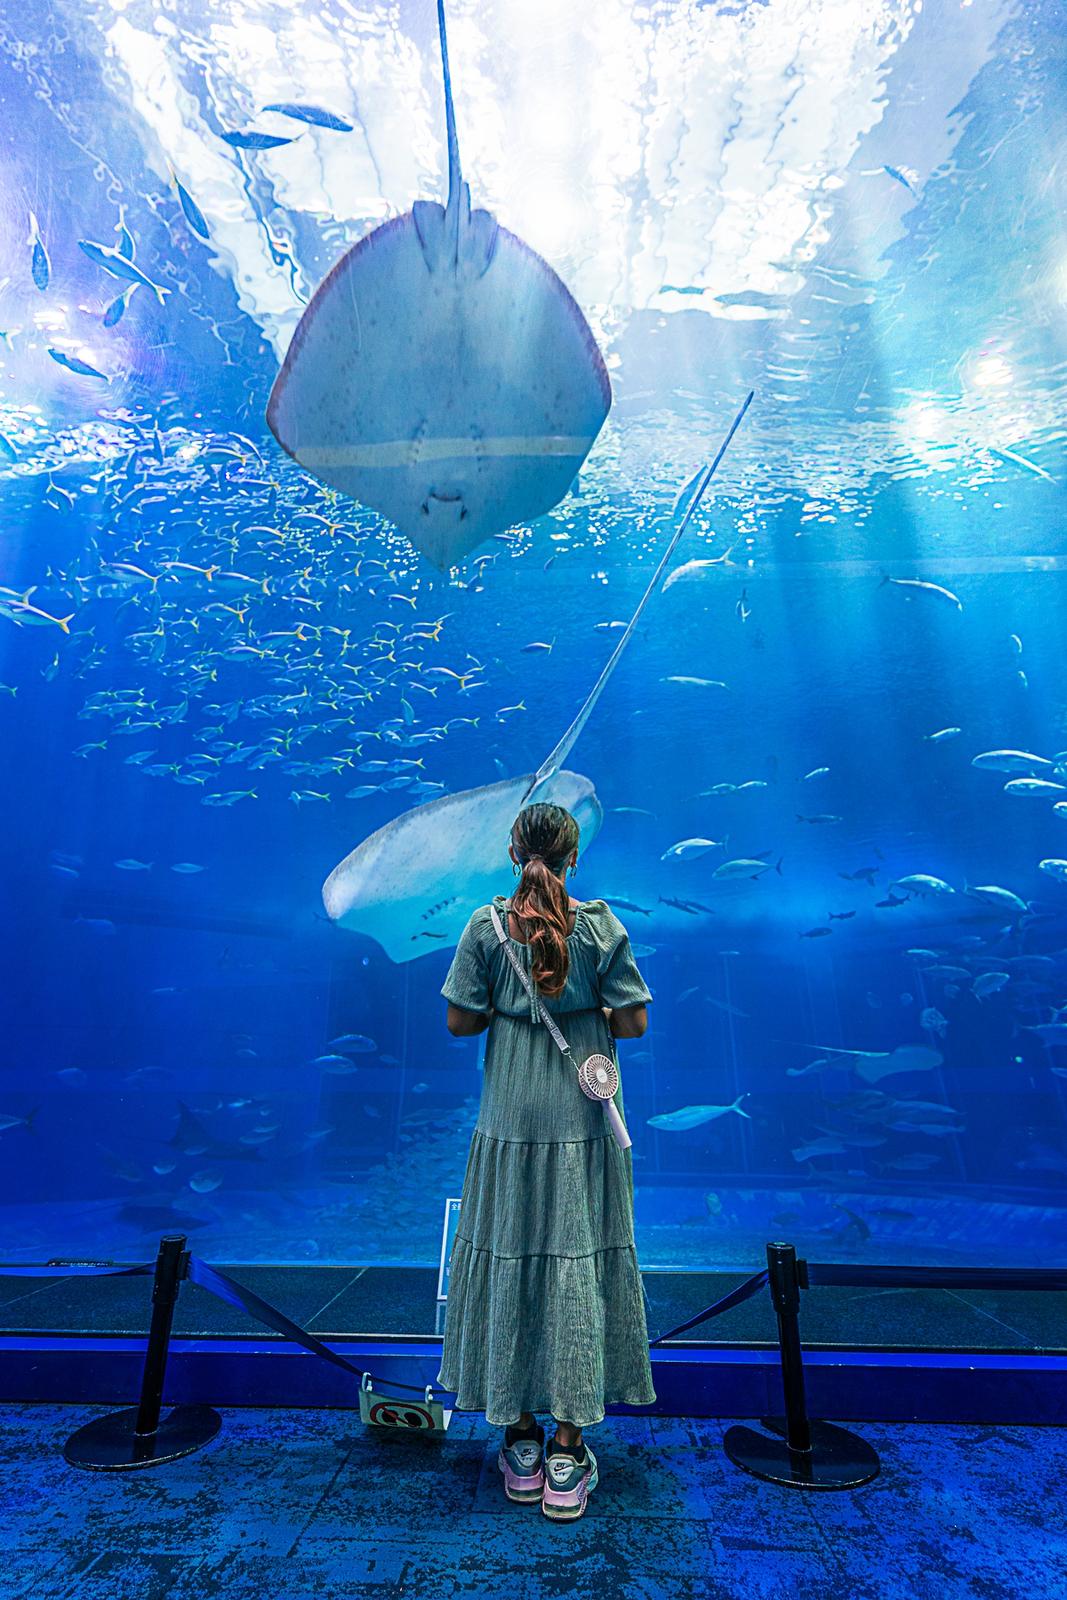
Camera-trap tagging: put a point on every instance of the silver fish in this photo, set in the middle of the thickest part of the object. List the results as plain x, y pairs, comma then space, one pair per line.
693, 1116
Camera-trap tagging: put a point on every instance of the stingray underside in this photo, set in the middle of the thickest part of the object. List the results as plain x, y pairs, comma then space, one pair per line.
413, 883
451, 383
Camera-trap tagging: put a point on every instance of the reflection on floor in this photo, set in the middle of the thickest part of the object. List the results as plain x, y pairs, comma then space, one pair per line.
308, 1505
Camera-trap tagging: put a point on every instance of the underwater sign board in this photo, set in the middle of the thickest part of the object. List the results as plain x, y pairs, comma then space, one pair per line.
448, 1234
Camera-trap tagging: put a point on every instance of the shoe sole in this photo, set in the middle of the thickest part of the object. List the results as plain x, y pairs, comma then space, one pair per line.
567, 1505
524, 1490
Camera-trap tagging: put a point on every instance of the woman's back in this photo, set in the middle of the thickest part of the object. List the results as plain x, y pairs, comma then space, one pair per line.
600, 969
528, 1092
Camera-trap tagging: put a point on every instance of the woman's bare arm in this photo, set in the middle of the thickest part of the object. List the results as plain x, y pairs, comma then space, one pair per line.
626, 1022
462, 1023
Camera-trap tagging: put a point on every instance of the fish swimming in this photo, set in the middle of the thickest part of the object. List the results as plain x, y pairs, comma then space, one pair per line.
994, 895
693, 1116
126, 246
1036, 786
744, 867
117, 309
192, 212
1021, 761
923, 586
23, 613
241, 139
693, 569
311, 114
895, 173
442, 374
40, 266
451, 848
704, 683
923, 884
76, 364
689, 849
111, 258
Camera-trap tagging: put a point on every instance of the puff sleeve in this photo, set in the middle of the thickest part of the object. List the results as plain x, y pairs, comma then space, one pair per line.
467, 983
619, 983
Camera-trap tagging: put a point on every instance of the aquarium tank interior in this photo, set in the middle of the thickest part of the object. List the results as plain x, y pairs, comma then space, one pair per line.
824, 783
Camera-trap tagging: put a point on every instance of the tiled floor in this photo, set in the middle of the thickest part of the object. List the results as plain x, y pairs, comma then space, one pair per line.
308, 1505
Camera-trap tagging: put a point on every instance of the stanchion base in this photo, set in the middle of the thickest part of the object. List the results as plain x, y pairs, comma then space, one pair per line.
837, 1459
109, 1444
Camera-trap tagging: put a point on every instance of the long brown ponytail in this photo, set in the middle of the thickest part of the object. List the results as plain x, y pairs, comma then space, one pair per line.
543, 837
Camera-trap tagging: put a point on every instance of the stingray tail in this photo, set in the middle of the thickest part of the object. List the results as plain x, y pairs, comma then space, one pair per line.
554, 760
455, 171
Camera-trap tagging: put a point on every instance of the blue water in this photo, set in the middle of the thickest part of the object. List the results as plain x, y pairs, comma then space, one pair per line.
863, 206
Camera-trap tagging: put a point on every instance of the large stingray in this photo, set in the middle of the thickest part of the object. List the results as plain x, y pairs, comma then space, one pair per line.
442, 374
413, 883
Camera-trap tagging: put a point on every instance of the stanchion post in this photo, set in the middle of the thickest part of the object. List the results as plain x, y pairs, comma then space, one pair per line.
796, 1452
171, 1264
784, 1285
137, 1436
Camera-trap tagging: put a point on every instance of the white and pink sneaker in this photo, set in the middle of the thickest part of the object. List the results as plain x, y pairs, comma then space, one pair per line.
568, 1484
522, 1464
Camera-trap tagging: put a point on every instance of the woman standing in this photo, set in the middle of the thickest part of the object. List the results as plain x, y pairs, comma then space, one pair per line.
545, 1307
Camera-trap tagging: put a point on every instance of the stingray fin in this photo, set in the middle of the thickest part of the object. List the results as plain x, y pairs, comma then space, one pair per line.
455, 239
430, 219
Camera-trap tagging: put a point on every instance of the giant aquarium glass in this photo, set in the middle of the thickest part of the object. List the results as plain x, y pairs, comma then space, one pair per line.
825, 783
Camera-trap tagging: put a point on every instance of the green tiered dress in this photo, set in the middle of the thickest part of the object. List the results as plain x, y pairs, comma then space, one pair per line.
545, 1308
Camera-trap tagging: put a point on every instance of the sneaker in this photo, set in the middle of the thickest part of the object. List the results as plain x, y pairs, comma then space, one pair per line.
567, 1483
523, 1467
